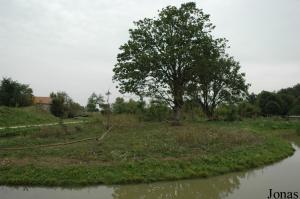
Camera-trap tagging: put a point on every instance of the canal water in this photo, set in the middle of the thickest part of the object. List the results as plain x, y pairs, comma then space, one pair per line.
283, 176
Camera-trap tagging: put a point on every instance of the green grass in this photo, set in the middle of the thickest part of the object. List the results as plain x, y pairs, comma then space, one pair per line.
141, 152
24, 116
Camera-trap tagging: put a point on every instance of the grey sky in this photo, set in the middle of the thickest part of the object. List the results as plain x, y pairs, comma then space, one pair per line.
71, 45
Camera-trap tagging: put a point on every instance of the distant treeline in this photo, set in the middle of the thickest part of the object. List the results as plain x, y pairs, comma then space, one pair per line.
15, 94
284, 102
281, 103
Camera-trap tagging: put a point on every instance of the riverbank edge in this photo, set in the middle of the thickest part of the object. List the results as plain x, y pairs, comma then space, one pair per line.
152, 170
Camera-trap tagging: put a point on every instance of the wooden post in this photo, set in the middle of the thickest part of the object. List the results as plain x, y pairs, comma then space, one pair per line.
108, 110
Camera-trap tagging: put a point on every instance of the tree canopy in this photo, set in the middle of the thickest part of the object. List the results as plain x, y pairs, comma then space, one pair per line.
217, 81
171, 54
158, 58
15, 94
94, 102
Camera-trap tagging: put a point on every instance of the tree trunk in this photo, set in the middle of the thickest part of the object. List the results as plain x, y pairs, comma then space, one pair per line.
177, 115
208, 113
178, 102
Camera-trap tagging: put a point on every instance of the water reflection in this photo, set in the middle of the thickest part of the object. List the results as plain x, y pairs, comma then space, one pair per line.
282, 176
217, 187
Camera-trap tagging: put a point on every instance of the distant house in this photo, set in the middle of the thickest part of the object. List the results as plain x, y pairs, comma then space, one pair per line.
43, 102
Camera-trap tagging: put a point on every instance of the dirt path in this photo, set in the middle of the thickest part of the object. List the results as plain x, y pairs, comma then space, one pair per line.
40, 125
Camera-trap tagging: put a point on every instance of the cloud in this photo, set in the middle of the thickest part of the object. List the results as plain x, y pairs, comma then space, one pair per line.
71, 45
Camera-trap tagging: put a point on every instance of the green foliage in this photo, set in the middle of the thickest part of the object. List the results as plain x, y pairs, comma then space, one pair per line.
272, 108
63, 106
14, 94
94, 101
248, 110
270, 103
157, 111
58, 105
217, 79
74, 109
157, 59
252, 98
295, 110
291, 91
131, 107
232, 113
283, 102
228, 112
191, 111
287, 103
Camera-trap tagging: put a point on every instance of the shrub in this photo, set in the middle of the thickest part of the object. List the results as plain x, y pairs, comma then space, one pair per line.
247, 110
157, 111
228, 112
232, 114
63, 106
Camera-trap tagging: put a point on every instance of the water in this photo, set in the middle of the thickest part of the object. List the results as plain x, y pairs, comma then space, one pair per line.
283, 176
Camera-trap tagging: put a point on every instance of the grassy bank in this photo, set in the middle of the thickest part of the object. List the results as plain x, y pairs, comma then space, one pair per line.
24, 116
142, 152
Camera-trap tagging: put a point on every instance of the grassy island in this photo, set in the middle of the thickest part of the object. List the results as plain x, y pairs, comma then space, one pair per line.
135, 151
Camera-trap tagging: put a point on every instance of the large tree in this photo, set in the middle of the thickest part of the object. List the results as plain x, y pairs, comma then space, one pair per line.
158, 58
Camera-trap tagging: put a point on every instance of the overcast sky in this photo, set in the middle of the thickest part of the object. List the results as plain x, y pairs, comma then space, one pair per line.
71, 45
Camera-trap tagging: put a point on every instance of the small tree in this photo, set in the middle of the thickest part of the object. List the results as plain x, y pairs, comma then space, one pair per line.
94, 102
216, 80
59, 104
63, 106
74, 109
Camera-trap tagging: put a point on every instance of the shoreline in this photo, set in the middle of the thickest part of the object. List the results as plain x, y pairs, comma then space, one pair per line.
146, 172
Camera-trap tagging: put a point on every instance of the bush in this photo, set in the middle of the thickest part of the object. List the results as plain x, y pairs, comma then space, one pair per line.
246, 109
157, 111
130, 107
63, 106
232, 114
228, 112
